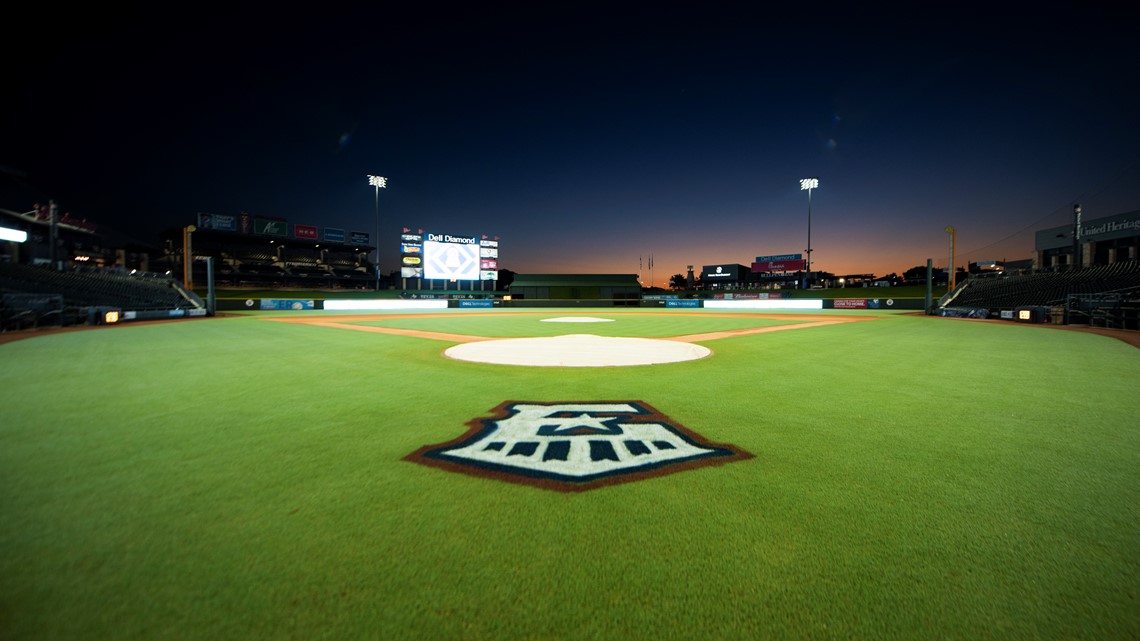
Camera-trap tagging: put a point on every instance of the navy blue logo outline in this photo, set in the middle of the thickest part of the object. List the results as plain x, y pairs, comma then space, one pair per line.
480, 429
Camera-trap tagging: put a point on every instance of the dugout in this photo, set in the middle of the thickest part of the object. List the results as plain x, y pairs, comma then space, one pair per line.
621, 289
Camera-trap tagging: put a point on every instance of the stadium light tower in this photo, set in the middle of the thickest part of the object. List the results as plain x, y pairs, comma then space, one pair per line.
808, 184
379, 182
953, 274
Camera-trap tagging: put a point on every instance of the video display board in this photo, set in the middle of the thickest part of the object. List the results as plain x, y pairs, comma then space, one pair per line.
448, 256
722, 272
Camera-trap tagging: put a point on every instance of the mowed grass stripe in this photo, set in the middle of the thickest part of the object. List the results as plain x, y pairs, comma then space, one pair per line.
914, 478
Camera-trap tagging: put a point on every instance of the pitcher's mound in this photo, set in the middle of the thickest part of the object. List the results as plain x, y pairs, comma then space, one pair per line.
577, 350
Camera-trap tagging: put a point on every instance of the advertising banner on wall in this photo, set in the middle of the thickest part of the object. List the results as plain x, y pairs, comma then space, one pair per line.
267, 227
283, 304
219, 222
747, 296
850, 303
358, 237
305, 232
334, 235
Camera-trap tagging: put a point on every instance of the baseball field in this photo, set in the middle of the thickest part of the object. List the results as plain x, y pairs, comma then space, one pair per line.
298, 475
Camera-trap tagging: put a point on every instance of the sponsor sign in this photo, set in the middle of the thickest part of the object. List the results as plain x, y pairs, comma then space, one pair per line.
488, 243
486, 263
488, 274
778, 266
575, 445
448, 238
682, 303
412, 238
410, 249
358, 237
779, 258
476, 303
333, 235
747, 296
412, 272
219, 222
488, 252
305, 232
411, 260
266, 227
850, 303
280, 304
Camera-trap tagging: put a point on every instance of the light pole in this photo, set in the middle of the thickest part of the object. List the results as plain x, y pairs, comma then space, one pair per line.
188, 258
953, 277
378, 182
1076, 237
808, 184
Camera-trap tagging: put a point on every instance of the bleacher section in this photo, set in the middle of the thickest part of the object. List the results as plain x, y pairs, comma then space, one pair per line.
63, 298
1108, 294
247, 261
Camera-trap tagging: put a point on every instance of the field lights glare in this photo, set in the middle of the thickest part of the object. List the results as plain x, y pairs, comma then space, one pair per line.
809, 183
14, 235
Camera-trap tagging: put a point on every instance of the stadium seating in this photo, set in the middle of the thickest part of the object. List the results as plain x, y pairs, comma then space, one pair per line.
62, 297
1101, 294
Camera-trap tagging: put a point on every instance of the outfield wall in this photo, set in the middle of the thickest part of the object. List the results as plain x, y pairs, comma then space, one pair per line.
289, 304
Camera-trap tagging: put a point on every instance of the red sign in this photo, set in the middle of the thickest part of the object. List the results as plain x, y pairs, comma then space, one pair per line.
307, 232
850, 303
778, 266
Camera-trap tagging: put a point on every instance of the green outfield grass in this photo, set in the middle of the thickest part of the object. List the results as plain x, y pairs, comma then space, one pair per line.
235, 478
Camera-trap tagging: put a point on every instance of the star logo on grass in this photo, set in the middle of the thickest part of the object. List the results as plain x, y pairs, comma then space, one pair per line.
575, 445
582, 423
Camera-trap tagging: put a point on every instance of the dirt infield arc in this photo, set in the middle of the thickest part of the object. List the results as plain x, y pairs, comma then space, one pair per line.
569, 350
347, 322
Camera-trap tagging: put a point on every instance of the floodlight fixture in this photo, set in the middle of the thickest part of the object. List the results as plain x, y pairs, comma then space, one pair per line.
379, 182
808, 184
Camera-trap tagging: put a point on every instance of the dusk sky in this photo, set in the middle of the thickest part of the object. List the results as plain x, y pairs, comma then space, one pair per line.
588, 136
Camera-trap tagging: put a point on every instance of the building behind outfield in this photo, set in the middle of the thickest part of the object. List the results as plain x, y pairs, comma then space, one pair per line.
620, 288
1102, 241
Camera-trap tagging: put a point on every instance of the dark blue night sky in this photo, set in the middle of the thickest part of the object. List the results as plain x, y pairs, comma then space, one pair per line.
587, 136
